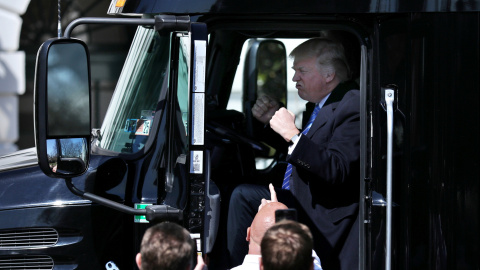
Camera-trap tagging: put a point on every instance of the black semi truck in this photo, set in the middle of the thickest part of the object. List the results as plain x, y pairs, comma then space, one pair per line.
179, 136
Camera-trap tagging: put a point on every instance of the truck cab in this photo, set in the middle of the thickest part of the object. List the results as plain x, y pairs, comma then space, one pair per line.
179, 134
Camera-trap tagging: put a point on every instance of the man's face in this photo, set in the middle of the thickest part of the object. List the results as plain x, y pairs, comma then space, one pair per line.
311, 84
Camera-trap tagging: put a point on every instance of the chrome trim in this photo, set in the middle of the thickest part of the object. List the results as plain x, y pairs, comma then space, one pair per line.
389, 98
28, 238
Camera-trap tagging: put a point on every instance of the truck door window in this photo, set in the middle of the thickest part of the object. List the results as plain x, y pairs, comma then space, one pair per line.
293, 101
129, 119
182, 90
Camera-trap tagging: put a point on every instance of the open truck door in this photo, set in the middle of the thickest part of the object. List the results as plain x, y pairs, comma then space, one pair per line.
170, 55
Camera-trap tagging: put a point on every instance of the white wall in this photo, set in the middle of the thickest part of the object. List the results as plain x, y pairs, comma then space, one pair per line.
12, 71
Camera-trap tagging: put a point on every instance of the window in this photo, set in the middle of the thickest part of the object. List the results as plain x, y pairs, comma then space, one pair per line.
129, 119
266, 84
294, 102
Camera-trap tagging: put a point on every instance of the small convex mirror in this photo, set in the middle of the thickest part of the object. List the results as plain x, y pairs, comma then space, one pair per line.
62, 107
67, 156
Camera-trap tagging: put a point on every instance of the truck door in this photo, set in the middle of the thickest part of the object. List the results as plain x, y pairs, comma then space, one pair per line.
168, 131
149, 153
424, 138
386, 190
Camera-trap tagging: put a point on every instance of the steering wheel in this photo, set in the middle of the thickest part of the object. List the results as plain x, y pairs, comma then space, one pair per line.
231, 135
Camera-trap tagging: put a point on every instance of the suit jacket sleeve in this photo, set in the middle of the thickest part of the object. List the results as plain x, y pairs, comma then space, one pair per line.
329, 153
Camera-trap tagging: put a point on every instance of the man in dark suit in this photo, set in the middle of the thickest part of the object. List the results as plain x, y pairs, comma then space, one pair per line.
323, 177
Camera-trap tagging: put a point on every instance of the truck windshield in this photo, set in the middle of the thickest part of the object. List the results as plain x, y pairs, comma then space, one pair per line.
131, 112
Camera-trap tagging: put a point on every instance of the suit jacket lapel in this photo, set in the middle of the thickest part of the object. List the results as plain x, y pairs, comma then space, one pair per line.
330, 105
322, 118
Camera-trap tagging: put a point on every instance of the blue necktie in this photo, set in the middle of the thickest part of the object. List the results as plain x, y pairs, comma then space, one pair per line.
288, 172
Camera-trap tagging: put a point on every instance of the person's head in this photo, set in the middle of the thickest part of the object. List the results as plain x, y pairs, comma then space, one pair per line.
264, 219
166, 246
287, 245
320, 65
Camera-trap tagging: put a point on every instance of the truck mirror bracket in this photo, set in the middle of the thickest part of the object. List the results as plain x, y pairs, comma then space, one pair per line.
93, 20
172, 23
161, 23
151, 212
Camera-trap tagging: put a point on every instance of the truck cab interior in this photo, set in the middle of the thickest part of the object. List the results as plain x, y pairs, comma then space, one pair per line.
247, 60
242, 152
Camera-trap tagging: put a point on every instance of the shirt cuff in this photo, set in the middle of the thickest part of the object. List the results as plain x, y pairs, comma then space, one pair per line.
292, 147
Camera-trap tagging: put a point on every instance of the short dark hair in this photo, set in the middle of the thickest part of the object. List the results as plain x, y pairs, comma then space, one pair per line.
167, 246
287, 245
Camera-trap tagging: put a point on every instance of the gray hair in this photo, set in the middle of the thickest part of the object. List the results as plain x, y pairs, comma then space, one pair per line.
330, 56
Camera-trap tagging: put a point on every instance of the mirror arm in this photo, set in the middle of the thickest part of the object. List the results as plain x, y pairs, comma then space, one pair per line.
93, 20
151, 212
103, 201
161, 23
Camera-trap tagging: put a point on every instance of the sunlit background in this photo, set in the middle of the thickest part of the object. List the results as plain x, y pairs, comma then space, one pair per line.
24, 26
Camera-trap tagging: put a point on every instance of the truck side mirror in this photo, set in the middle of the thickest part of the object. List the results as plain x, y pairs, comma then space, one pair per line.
62, 107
